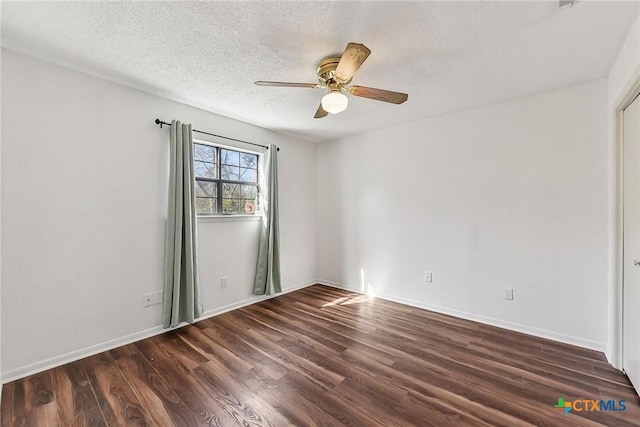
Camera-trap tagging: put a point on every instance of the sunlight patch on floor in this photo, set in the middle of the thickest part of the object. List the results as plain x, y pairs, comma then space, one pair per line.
367, 290
358, 299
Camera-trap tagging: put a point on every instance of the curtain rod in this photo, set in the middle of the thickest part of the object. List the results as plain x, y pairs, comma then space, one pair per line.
160, 123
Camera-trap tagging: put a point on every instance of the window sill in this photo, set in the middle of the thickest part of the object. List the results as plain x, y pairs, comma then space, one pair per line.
228, 218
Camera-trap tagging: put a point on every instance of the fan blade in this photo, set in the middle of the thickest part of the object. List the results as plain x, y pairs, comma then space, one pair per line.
320, 113
352, 58
287, 84
378, 94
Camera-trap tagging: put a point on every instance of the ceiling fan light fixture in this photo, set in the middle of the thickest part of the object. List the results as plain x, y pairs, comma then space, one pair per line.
334, 102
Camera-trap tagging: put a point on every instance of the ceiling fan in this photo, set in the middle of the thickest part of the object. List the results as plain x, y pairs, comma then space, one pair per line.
334, 73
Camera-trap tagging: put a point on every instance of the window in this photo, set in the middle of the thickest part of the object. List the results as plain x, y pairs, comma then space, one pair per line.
226, 181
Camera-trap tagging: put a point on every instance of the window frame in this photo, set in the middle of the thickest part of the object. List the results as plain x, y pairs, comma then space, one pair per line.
218, 182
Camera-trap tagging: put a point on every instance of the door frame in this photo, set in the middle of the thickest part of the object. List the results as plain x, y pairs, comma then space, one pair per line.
631, 91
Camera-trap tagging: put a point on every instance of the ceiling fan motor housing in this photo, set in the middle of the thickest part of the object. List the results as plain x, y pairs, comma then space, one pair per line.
326, 71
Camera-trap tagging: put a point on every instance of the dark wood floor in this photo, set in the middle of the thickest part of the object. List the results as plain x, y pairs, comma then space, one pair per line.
322, 356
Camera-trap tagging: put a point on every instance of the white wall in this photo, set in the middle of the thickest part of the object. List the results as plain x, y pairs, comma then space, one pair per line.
84, 172
622, 76
508, 195
627, 64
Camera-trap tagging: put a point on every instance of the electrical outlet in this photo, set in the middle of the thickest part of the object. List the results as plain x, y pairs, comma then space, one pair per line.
223, 282
428, 277
508, 293
147, 299
158, 297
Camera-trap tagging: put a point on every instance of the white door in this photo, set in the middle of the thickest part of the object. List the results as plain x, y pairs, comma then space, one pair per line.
631, 255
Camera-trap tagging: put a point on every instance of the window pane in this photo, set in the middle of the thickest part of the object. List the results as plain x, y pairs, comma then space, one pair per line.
248, 175
232, 206
230, 191
206, 189
230, 173
204, 153
229, 157
249, 160
206, 206
248, 191
205, 170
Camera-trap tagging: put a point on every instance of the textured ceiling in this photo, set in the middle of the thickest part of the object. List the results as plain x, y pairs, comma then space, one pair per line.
447, 56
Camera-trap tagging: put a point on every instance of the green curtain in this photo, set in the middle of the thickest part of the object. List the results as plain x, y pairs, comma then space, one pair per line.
268, 269
181, 288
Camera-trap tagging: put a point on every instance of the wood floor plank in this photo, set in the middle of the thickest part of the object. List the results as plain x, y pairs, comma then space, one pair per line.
429, 411
161, 402
179, 350
322, 356
125, 350
6, 405
377, 405
72, 390
33, 391
266, 329
187, 388
248, 353
118, 403
291, 324
245, 408
324, 376
368, 379
328, 402
91, 418
423, 386
214, 351
287, 329
284, 399
349, 338
45, 415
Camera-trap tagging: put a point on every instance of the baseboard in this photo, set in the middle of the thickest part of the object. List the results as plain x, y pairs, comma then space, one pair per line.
72, 356
513, 326
336, 285
43, 365
252, 300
